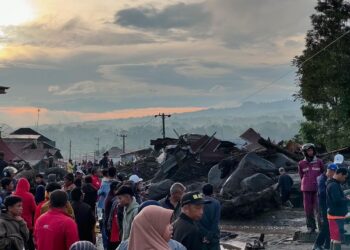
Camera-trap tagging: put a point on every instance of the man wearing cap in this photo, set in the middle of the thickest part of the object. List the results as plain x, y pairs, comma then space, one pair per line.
186, 228
337, 204
309, 169
127, 200
137, 187
338, 159
323, 239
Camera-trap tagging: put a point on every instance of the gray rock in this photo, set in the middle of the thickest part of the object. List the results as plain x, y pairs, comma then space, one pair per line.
250, 204
281, 160
249, 165
160, 189
256, 183
214, 177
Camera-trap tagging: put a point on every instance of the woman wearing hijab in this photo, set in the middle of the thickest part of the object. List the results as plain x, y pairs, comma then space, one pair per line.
151, 229
39, 194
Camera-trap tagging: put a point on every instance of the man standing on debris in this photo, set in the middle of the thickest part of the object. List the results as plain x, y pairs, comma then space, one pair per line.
337, 207
186, 228
323, 239
309, 169
285, 184
210, 221
173, 201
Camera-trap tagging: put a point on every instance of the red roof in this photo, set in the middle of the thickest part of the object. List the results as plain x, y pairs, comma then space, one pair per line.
9, 154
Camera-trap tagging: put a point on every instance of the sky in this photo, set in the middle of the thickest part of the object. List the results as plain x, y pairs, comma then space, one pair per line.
91, 60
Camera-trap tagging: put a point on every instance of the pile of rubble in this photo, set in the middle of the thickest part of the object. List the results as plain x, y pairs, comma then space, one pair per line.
244, 178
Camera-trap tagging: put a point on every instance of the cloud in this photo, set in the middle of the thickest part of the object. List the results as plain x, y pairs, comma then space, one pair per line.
177, 16
85, 87
235, 23
71, 33
20, 116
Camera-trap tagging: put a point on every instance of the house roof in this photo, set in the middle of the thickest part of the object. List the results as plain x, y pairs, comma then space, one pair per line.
8, 153
27, 133
138, 152
115, 152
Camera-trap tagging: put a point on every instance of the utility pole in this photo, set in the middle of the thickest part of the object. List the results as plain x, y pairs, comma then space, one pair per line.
37, 121
70, 149
123, 135
98, 145
163, 121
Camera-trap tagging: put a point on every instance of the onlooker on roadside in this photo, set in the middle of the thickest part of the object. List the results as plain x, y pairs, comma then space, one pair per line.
285, 184
337, 207
7, 187
138, 188
49, 189
13, 229
90, 193
309, 169
151, 229
173, 200
84, 216
127, 200
39, 180
39, 194
29, 206
55, 230
83, 245
186, 228
173, 244
323, 238
209, 223
68, 185
95, 174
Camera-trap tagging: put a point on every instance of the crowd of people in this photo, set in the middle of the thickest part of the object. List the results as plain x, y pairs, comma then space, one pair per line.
324, 200
53, 215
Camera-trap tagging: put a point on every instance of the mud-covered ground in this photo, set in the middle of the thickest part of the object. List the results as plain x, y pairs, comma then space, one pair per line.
278, 226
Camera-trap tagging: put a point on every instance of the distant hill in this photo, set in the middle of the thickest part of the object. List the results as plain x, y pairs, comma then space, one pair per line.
278, 120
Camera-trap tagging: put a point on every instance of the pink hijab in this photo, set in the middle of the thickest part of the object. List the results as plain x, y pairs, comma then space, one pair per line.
148, 229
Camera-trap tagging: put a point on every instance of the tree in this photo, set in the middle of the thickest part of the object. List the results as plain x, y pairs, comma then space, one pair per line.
324, 80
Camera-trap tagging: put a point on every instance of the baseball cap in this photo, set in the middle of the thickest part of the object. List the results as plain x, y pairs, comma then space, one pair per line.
135, 179
338, 159
332, 167
194, 198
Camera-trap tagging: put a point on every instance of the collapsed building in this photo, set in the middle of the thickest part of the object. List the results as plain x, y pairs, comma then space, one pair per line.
244, 177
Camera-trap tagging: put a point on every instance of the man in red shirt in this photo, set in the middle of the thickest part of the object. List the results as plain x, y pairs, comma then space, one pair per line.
96, 182
55, 230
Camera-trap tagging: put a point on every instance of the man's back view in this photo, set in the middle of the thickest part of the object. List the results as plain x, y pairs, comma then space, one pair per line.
55, 230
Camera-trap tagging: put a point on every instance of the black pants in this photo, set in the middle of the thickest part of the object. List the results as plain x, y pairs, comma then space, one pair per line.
323, 238
30, 243
285, 196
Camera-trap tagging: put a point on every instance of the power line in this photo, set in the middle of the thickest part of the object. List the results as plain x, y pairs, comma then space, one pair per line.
284, 75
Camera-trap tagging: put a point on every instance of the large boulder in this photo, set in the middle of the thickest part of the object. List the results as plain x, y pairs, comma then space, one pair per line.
249, 165
250, 204
160, 189
256, 183
214, 177
281, 160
